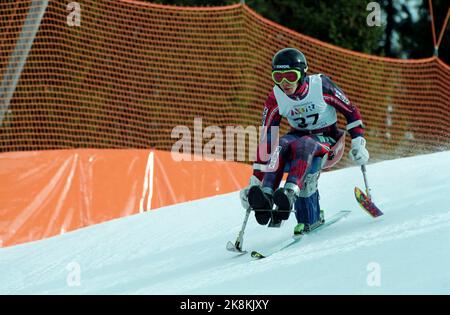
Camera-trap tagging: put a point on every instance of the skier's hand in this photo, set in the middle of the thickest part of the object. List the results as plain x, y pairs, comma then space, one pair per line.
243, 194
358, 153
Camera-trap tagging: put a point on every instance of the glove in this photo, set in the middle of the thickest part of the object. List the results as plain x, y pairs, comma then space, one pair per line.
243, 194
358, 153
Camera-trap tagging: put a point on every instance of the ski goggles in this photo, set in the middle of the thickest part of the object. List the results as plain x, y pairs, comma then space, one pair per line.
291, 76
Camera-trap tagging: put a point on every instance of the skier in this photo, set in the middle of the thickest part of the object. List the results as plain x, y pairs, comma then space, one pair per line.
309, 102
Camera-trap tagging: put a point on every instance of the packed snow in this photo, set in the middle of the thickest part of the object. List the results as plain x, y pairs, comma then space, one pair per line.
181, 249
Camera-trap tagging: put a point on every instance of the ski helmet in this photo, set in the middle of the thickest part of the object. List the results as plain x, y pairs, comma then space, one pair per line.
290, 58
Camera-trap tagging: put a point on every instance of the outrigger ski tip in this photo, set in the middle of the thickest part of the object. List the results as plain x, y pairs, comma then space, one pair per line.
235, 248
255, 254
366, 203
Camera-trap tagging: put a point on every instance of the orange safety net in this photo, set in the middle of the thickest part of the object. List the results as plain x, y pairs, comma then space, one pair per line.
132, 71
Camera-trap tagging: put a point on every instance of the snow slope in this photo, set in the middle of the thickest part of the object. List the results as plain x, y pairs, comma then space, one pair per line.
181, 249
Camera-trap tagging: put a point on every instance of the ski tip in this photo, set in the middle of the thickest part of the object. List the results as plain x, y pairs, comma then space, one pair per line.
257, 255
232, 247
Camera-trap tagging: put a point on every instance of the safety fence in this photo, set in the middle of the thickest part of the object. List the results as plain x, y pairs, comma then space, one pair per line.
132, 71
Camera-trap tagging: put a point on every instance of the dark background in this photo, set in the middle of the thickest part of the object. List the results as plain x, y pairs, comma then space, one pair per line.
405, 31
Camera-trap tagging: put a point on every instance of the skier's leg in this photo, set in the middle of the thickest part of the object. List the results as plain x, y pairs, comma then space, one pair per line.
303, 174
303, 152
303, 198
262, 197
308, 213
277, 162
307, 206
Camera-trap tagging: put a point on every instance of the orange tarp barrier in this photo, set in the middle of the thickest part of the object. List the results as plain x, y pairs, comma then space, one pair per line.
46, 193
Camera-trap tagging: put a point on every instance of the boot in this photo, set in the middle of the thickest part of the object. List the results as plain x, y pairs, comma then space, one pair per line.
299, 229
261, 199
302, 228
285, 199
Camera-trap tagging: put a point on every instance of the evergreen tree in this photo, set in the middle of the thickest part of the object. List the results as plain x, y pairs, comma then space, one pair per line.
343, 23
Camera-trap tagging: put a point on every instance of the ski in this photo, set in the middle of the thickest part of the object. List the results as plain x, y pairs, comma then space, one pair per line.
295, 239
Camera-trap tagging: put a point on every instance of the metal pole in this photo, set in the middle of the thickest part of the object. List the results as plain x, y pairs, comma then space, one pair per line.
19, 56
366, 183
240, 238
444, 27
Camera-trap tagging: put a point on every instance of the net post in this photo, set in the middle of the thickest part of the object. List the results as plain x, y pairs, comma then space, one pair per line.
19, 55
444, 27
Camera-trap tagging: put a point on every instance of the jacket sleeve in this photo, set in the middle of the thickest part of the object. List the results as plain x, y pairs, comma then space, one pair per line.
335, 97
270, 118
